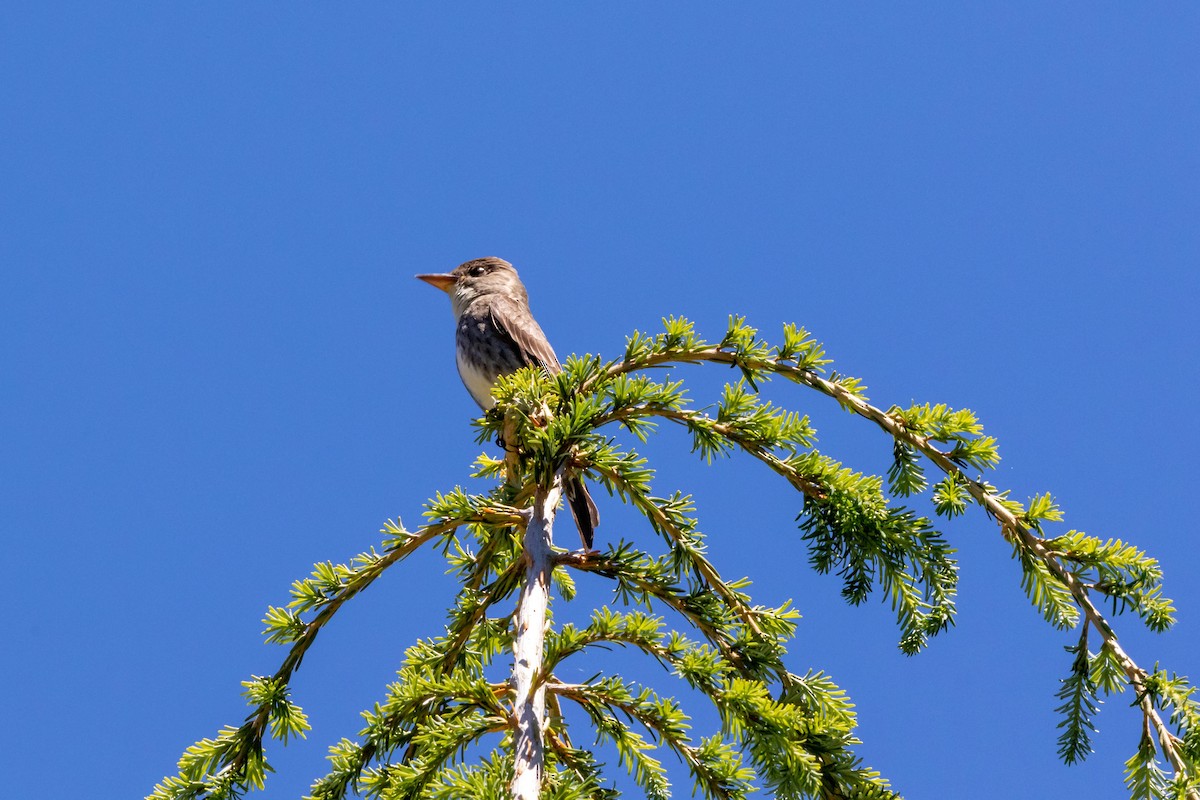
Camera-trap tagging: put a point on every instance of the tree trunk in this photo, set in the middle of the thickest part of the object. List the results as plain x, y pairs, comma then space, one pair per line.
529, 701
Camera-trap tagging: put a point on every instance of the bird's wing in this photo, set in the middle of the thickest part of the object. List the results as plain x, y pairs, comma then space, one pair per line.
518, 324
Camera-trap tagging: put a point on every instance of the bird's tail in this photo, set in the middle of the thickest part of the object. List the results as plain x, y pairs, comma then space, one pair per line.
582, 509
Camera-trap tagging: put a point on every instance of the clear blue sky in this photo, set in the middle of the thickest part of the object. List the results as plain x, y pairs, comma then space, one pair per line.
217, 368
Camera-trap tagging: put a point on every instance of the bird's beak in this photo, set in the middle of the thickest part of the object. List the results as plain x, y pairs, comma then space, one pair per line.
444, 281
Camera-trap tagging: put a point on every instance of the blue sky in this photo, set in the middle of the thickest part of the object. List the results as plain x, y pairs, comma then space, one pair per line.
218, 368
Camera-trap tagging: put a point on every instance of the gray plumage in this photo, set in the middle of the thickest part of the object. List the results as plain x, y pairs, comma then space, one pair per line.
496, 334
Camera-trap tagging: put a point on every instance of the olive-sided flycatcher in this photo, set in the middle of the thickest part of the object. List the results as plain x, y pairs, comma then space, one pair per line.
497, 334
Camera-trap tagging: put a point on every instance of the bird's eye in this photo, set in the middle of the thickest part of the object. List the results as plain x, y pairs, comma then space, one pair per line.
477, 271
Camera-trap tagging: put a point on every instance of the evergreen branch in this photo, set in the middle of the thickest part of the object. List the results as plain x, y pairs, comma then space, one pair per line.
463, 626
637, 629
829, 716
1080, 704
683, 543
714, 766
473, 606
487, 779
799, 742
490, 779
439, 743
740, 349
615, 565
838, 503
1017, 530
813, 712
695, 421
579, 763
1143, 777
559, 739
425, 696
236, 757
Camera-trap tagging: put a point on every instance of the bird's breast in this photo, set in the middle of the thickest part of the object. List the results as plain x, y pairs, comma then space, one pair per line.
484, 352
477, 380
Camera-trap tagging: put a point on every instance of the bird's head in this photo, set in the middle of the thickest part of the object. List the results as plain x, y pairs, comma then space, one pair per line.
476, 278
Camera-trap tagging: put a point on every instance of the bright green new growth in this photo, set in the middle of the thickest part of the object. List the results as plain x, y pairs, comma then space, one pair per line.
792, 735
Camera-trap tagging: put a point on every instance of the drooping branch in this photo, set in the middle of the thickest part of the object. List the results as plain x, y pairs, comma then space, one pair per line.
603, 702
848, 522
704, 568
1012, 526
754, 357
251, 733
688, 418
235, 758
825, 716
796, 731
661, 591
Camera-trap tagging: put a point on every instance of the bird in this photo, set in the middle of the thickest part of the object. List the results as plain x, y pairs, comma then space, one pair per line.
496, 335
